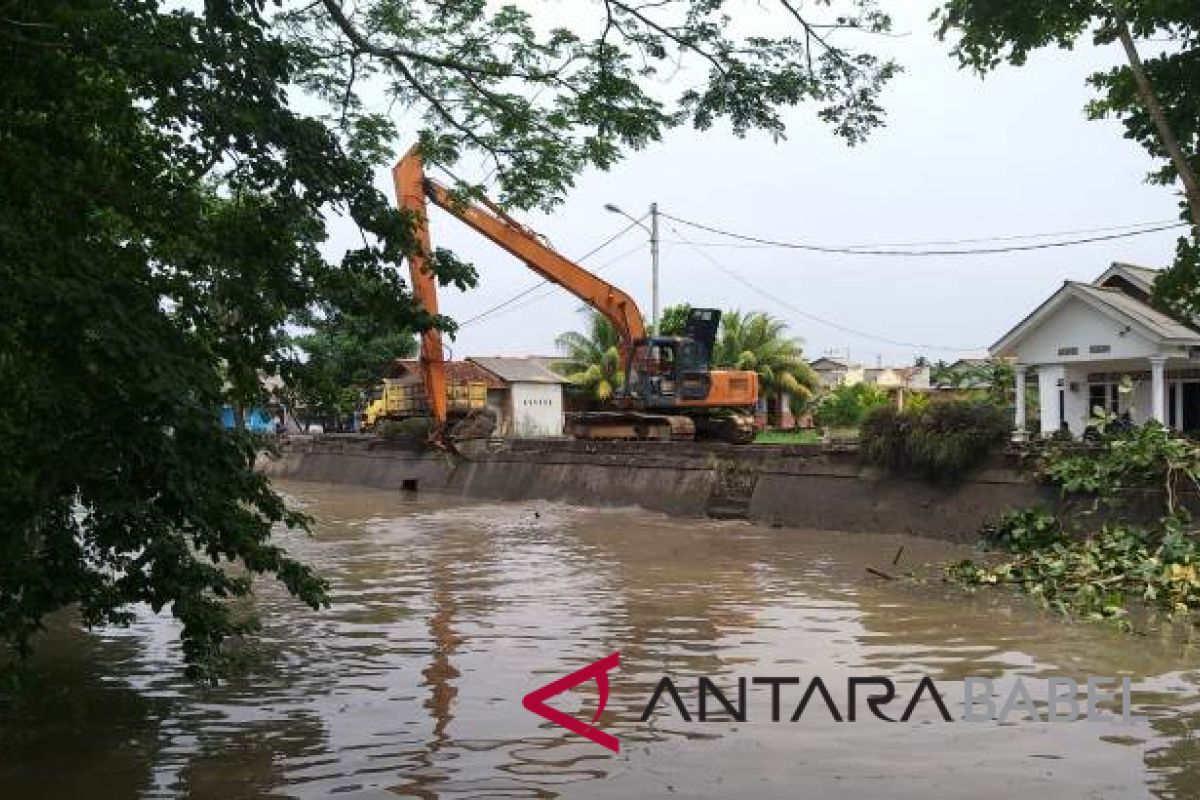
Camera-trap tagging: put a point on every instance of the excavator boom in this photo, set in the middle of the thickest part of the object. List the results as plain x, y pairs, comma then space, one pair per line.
409, 179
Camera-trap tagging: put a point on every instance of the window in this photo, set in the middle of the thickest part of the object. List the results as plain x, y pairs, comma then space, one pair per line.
1100, 348
1068, 351
1105, 396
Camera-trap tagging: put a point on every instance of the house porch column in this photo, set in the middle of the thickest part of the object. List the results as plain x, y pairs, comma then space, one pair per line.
1158, 388
1019, 416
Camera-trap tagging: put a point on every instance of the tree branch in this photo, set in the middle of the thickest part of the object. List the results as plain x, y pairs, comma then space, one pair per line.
1191, 186
360, 41
674, 37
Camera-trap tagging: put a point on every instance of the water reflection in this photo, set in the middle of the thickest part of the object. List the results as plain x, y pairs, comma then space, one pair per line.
445, 616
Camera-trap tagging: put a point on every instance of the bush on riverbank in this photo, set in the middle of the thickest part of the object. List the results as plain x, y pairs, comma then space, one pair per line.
939, 441
846, 406
1101, 571
1099, 576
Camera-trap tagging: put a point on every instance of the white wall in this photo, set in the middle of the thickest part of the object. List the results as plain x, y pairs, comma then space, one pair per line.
1076, 324
537, 410
1075, 401
1048, 377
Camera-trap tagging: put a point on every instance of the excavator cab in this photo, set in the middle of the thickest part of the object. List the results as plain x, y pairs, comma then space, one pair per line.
669, 371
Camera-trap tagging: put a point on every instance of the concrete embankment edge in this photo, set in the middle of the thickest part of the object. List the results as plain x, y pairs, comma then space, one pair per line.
800, 486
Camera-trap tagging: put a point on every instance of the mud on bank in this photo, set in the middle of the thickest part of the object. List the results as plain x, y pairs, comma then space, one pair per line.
804, 486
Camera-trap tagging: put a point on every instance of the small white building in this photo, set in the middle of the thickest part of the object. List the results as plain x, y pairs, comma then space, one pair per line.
1103, 344
834, 372
533, 402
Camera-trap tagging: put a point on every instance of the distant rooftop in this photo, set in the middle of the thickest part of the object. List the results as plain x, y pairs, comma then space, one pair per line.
832, 361
518, 370
457, 372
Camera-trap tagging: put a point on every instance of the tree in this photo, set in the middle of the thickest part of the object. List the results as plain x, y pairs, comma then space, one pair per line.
344, 357
674, 319
1157, 100
757, 341
845, 406
942, 374
592, 360
168, 172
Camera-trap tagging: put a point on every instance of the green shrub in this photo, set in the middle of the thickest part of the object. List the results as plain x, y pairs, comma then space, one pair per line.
883, 437
846, 406
1022, 530
1100, 576
1144, 456
941, 441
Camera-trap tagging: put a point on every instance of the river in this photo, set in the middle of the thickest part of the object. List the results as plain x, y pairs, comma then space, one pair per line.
446, 614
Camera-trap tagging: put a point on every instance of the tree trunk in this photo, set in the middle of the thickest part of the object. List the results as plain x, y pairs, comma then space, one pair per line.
1191, 186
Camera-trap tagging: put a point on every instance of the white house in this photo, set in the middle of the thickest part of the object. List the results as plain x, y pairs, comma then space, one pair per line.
1089, 339
533, 405
835, 372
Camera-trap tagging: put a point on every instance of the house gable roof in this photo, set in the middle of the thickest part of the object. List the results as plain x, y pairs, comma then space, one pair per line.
1141, 278
1114, 303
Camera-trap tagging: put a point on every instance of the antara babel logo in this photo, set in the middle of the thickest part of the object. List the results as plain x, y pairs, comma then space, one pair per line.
535, 701
1058, 699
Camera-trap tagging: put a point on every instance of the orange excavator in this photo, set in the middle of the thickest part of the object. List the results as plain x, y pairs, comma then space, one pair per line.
669, 391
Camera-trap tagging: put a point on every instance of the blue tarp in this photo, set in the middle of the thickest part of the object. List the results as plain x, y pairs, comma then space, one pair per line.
257, 419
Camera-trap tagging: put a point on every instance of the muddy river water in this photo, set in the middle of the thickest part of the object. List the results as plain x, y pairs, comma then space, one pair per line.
446, 614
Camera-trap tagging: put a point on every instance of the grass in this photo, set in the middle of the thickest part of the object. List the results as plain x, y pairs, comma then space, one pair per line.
796, 436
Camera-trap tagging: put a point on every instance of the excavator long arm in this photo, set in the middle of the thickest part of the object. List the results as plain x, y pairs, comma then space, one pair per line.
409, 179
412, 189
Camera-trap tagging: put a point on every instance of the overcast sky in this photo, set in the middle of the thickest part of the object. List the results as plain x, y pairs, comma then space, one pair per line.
960, 157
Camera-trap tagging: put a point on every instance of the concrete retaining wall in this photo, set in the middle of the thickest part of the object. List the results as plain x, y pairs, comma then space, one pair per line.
800, 486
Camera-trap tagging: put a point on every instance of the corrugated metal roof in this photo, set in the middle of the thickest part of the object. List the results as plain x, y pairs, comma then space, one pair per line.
518, 370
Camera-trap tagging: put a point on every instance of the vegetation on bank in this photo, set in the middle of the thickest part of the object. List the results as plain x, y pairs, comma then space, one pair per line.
846, 406
939, 441
1099, 559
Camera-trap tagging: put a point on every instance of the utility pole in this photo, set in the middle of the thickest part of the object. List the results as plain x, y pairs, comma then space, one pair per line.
654, 268
653, 231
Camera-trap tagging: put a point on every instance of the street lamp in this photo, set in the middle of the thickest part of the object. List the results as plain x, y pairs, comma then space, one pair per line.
653, 231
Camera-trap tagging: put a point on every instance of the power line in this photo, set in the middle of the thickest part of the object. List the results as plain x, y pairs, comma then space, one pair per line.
774, 298
973, 240
534, 287
864, 250
552, 288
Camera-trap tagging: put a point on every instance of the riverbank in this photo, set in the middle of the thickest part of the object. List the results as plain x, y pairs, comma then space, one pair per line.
804, 486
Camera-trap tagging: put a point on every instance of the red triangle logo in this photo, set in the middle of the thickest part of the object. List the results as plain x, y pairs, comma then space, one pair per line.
535, 701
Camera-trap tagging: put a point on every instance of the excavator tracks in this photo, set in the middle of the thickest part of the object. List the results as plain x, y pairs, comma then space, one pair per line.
638, 426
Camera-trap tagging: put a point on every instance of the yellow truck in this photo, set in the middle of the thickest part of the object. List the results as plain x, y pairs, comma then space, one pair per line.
405, 399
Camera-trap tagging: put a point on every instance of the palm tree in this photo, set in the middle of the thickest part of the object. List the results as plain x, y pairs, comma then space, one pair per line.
592, 360
757, 341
